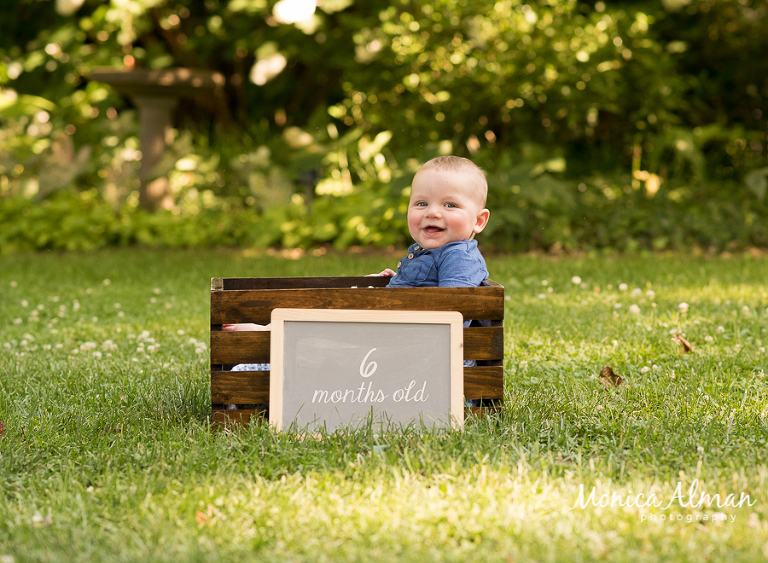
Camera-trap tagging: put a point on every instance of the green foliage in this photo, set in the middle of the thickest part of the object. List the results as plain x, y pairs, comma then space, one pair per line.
322, 122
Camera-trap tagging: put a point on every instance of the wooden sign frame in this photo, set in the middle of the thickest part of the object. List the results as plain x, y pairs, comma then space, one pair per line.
282, 414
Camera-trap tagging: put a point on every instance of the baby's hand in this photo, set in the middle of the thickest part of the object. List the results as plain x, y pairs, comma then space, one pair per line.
243, 327
387, 273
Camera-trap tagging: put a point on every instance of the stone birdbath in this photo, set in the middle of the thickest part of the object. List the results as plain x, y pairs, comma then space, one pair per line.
155, 94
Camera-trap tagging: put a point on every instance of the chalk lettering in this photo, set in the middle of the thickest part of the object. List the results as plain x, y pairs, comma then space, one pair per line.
370, 369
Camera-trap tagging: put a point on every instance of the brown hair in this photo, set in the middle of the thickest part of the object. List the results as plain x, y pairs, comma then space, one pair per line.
464, 165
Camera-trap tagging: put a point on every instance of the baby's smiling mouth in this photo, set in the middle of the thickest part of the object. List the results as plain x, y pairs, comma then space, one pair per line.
432, 230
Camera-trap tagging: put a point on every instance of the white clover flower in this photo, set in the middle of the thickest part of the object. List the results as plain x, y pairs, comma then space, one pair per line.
576, 280
46, 346
107, 281
708, 338
156, 291
54, 298
180, 332
542, 296
623, 287
59, 346
76, 306
117, 305
720, 329
645, 369
637, 291
650, 293
120, 314
523, 365
745, 309
153, 300
40, 307
634, 309
683, 307
140, 349
654, 367
97, 354
544, 282
88, 346
14, 284
617, 305
24, 303
17, 321
95, 319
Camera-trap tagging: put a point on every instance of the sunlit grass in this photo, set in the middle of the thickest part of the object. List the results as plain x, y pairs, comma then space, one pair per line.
108, 453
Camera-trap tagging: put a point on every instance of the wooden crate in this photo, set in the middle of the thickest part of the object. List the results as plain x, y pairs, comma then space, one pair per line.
251, 300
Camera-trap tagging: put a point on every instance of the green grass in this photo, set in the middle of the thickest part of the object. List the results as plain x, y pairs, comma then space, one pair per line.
108, 452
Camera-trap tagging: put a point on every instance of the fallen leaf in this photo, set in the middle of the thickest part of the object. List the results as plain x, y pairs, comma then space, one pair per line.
201, 518
2, 428
685, 346
610, 379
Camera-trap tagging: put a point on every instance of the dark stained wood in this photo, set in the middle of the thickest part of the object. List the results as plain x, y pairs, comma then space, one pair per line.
240, 347
252, 387
480, 343
255, 306
235, 300
484, 343
484, 382
239, 387
303, 283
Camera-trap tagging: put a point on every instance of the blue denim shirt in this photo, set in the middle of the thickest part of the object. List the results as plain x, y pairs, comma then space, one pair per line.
456, 264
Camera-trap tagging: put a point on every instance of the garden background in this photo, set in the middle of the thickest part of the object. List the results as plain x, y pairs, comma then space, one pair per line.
607, 128
602, 125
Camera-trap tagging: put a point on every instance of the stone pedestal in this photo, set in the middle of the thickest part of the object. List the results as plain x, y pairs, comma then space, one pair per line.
155, 94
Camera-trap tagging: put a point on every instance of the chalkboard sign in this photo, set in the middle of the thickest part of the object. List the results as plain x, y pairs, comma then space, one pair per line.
333, 368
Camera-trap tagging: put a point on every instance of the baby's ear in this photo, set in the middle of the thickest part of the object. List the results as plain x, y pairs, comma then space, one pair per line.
481, 221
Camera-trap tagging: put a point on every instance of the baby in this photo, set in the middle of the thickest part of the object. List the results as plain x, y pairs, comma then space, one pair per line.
446, 209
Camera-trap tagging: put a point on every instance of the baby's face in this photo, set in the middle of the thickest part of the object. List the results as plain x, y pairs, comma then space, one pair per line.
444, 207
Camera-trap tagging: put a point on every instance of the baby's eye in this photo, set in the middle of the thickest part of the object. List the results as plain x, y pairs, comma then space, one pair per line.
421, 204
450, 204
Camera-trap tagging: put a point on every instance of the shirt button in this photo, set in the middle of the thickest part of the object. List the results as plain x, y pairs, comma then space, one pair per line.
399, 264
410, 255
417, 247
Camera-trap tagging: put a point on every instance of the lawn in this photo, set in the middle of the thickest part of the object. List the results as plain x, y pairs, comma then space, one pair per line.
108, 452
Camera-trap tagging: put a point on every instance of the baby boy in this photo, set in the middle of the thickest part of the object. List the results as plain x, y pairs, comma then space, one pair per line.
446, 209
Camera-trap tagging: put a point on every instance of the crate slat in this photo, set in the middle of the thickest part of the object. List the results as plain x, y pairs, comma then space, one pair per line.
239, 387
252, 387
255, 306
480, 343
302, 283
